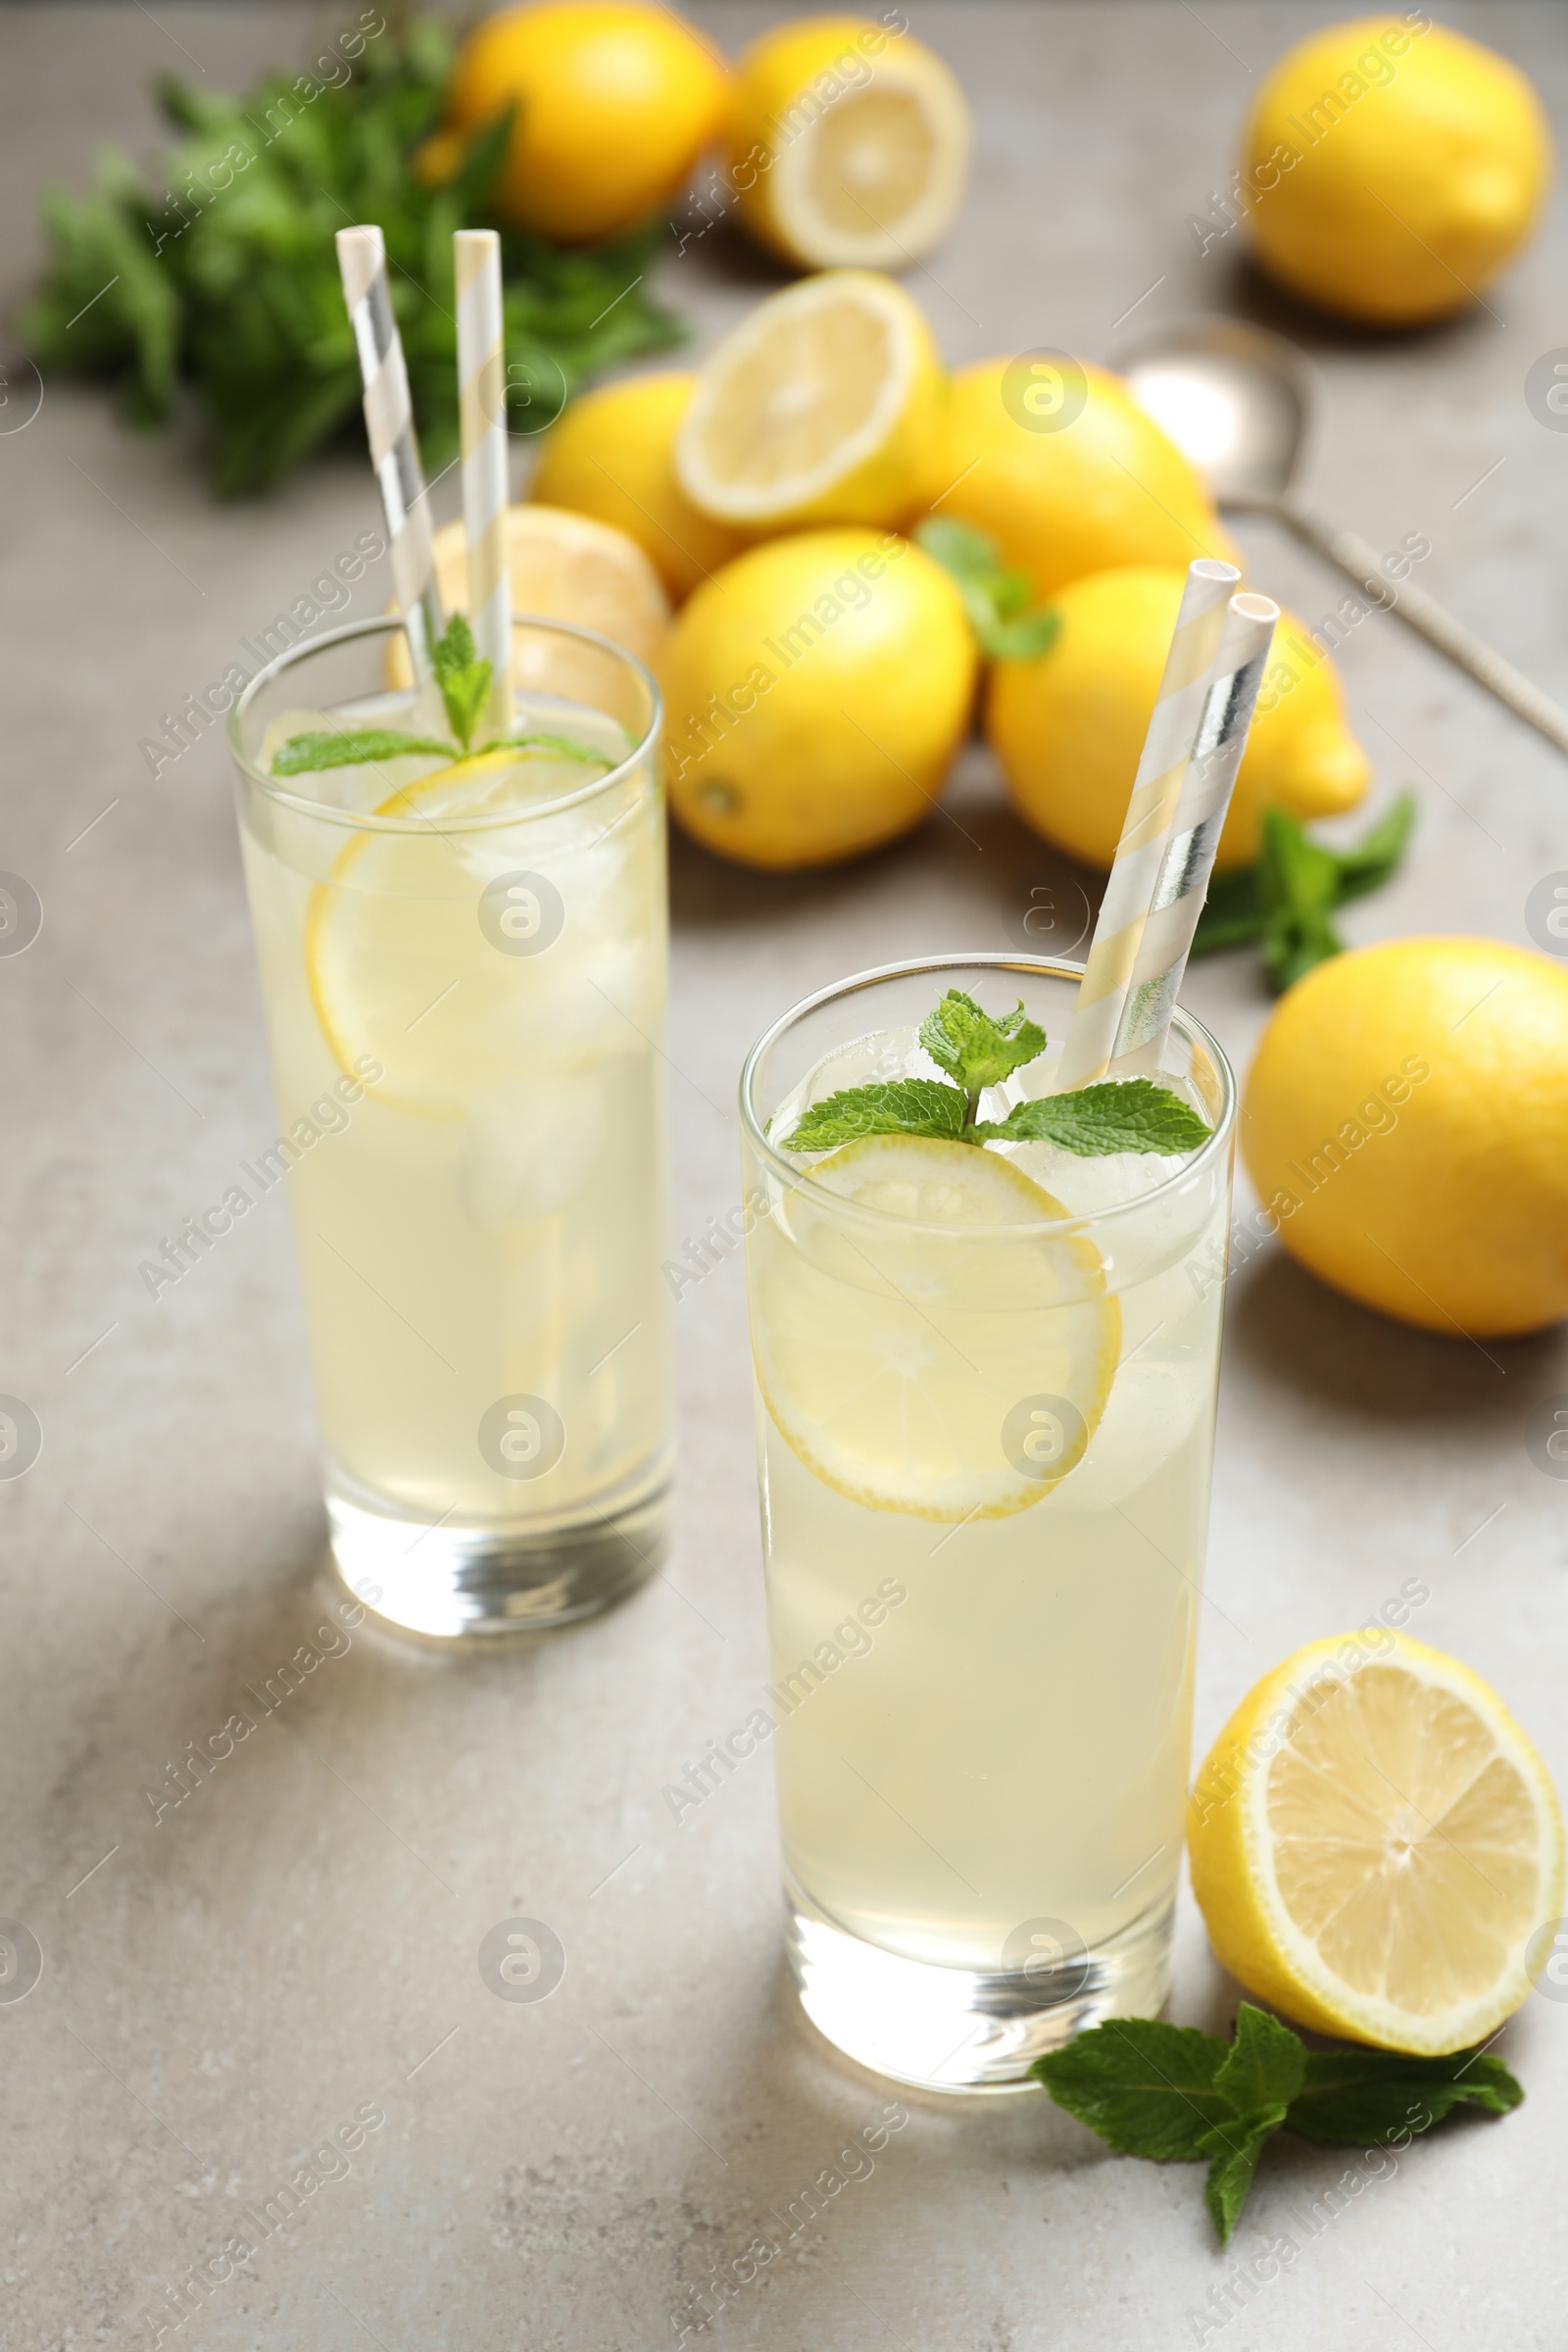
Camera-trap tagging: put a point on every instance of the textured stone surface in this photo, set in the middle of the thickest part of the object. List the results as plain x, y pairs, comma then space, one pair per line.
299, 1939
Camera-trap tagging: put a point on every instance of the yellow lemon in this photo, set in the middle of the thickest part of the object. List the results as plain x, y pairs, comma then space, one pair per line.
612, 456
819, 407
1067, 728
1066, 472
849, 144
613, 106
1406, 1117
1374, 1843
815, 691
1389, 169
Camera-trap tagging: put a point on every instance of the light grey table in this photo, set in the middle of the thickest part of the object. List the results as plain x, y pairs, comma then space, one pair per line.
225, 1987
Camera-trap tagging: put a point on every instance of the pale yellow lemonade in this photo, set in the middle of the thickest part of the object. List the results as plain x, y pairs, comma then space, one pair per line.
992, 1725
485, 1221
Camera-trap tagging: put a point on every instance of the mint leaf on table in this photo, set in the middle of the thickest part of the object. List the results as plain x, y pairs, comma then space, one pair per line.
1368, 2095
895, 1106
463, 679
1120, 1114
995, 596
1176, 2095
973, 1048
1286, 901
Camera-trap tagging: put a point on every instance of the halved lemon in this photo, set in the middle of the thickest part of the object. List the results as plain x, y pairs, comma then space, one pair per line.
562, 566
1374, 1842
453, 958
847, 145
821, 405
942, 1354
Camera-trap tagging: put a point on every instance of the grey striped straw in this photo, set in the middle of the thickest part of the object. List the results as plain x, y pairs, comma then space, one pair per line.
1182, 883
394, 452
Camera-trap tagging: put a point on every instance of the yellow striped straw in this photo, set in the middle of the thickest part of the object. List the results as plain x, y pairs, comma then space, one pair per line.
1147, 827
482, 404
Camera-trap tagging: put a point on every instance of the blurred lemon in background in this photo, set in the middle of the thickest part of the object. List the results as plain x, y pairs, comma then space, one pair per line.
613, 106
815, 691
1067, 727
1404, 1915
1392, 169
612, 455
1067, 474
819, 407
1406, 1115
849, 144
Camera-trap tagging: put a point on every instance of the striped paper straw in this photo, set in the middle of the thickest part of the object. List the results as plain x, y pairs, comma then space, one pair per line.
1189, 859
394, 452
481, 390
1146, 829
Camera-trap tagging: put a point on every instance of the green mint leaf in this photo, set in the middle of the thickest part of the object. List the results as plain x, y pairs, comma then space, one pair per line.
994, 595
1122, 1115
303, 754
968, 554
1376, 856
566, 744
463, 679
1148, 2089
1266, 2063
1232, 914
1022, 640
895, 1106
1385, 2097
1299, 885
973, 1048
1234, 2149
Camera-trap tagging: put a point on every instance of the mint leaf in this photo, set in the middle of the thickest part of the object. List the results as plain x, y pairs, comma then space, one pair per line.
1232, 914
567, 748
973, 1048
1122, 1115
1235, 2149
1376, 856
1287, 899
463, 679
1266, 2063
1148, 2089
302, 755
1379, 2096
994, 595
896, 1107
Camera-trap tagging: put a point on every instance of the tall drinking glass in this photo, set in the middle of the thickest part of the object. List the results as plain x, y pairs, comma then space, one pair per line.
985, 1402
463, 964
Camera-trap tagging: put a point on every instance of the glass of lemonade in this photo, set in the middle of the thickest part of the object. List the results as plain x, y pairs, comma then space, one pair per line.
464, 966
985, 1399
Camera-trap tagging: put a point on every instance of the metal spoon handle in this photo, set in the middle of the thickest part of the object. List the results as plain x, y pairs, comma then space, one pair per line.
1364, 564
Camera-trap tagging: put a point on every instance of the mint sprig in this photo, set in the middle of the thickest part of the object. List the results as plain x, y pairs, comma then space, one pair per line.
465, 683
979, 1051
995, 595
1178, 2096
1286, 901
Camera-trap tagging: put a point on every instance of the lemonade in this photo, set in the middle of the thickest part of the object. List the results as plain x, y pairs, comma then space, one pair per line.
463, 964
986, 1386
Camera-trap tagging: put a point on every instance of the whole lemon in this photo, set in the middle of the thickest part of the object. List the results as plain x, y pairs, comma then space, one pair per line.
612, 456
1066, 472
1067, 727
815, 691
1391, 168
849, 144
1407, 1119
615, 105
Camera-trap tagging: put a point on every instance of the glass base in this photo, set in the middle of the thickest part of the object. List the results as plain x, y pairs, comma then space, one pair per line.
453, 1580
950, 2029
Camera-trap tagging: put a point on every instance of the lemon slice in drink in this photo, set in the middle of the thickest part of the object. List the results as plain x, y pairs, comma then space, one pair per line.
942, 1352
819, 407
1374, 1845
438, 952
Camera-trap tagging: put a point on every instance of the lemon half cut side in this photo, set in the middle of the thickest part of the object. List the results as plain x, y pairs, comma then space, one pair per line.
1375, 1843
819, 407
948, 1354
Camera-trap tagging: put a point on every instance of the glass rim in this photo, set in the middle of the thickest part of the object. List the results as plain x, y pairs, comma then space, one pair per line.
799, 1179
367, 819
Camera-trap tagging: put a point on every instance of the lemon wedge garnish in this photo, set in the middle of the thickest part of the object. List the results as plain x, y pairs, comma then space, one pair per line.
819, 407
1374, 1843
895, 1360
